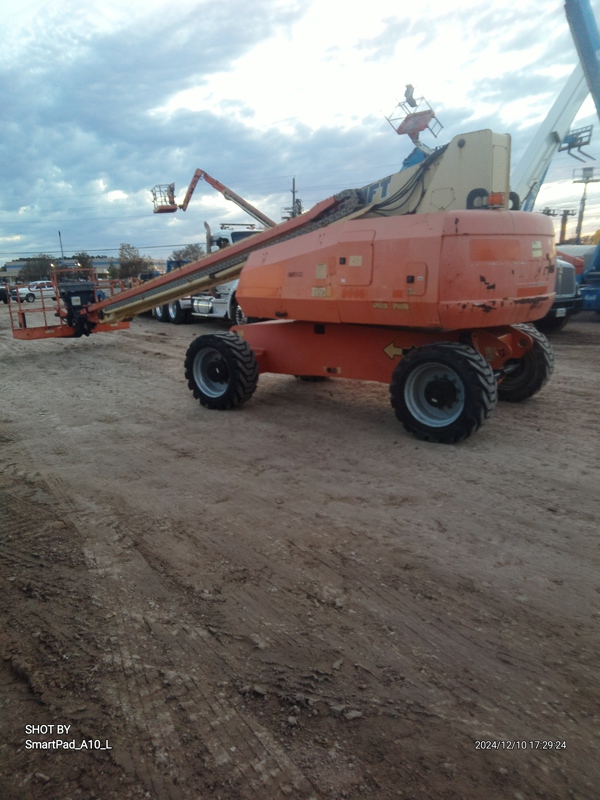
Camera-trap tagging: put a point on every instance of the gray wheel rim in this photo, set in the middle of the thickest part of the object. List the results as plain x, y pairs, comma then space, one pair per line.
418, 391
211, 372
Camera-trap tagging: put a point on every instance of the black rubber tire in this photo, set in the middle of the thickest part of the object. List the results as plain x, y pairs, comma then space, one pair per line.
161, 313
221, 370
238, 317
176, 314
29, 298
551, 324
443, 392
530, 373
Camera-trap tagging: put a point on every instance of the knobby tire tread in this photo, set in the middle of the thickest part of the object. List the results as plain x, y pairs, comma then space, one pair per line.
480, 384
245, 370
537, 367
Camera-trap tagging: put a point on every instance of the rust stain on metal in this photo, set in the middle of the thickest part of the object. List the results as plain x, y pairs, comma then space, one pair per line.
485, 307
531, 301
484, 280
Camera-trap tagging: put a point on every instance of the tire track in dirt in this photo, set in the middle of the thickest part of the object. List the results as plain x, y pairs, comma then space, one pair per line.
241, 749
427, 665
167, 685
50, 647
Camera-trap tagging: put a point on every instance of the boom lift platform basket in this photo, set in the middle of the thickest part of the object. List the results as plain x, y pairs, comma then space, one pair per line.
61, 318
163, 197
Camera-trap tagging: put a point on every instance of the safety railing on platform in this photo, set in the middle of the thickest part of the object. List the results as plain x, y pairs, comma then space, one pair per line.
43, 312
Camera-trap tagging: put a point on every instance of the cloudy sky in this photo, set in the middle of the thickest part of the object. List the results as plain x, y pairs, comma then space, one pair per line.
101, 100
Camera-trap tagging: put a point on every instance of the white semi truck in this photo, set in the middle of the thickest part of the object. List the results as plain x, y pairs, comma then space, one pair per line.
220, 301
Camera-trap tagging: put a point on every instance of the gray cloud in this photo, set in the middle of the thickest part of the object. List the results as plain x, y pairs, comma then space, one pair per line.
76, 109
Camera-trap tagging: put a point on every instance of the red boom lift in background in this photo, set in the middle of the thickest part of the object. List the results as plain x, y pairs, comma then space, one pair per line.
163, 196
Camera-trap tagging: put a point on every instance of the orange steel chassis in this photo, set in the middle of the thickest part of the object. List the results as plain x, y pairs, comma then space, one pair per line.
355, 297
460, 270
363, 352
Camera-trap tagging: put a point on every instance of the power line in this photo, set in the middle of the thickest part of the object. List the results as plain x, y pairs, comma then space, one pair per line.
61, 220
90, 250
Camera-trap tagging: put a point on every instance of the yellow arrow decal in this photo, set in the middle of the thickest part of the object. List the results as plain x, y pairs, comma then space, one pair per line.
391, 350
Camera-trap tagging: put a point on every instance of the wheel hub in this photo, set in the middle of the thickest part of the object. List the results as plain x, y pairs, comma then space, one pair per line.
434, 394
211, 372
217, 371
440, 393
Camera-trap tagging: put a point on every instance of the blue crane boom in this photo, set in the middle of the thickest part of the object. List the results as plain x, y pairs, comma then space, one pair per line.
584, 30
528, 175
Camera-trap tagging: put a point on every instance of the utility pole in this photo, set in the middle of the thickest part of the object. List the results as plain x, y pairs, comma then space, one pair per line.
296, 208
565, 213
584, 175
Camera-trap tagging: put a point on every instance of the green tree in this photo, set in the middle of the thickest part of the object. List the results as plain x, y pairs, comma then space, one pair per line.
113, 270
131, 263
191, 252
36, 268
84, 260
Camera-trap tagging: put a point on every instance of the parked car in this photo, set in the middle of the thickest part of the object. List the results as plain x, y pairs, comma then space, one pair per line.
3, 294
34, 291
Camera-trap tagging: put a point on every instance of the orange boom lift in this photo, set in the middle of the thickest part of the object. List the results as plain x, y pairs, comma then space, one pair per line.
424, 280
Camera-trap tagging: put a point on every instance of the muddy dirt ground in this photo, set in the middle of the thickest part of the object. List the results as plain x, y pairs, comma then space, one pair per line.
295, 599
